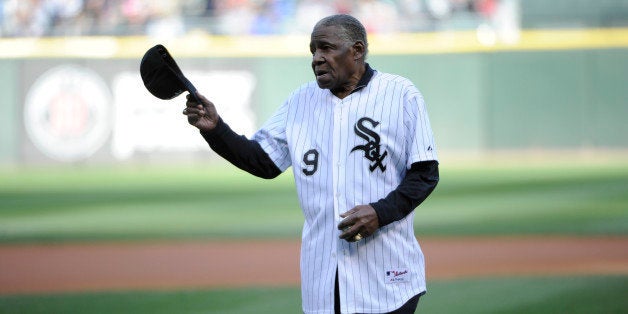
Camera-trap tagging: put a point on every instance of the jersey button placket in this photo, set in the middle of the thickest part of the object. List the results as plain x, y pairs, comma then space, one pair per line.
339, 171
336, 140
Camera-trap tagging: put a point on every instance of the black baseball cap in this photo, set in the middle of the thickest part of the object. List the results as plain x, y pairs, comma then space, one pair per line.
162, 76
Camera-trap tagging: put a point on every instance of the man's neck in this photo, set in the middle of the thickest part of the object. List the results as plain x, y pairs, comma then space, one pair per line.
351, 85
364, 75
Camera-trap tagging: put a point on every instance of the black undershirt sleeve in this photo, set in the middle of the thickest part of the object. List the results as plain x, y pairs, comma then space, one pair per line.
243, 153
415, 187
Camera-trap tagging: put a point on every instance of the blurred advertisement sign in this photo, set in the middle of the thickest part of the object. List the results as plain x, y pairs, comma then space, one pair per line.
67, 113
71, 114
145, 124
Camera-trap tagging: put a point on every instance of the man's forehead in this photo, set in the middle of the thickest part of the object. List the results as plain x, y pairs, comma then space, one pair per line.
325, 32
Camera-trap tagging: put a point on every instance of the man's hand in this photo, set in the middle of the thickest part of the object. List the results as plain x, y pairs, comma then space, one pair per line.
204, 115
358, 223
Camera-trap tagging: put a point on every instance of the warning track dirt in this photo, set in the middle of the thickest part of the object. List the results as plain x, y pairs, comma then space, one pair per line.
69, 267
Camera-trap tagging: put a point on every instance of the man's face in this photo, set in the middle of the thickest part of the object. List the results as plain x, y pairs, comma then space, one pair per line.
332, 59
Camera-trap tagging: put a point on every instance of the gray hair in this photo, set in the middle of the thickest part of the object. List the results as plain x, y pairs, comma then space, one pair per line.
352, 30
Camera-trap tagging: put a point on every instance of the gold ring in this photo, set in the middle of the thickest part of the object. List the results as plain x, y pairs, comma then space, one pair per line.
357, 237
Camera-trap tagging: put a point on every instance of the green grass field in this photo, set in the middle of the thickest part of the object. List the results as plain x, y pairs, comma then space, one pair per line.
136, 203
490, 295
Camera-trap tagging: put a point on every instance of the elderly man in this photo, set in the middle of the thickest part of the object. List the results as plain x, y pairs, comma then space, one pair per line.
363, 156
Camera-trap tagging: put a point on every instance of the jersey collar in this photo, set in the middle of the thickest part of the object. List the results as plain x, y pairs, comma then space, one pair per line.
366, 78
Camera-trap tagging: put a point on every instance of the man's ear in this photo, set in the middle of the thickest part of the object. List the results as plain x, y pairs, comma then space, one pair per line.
358, 50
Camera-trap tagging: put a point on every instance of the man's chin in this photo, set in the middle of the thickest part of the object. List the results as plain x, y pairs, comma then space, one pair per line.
324, 84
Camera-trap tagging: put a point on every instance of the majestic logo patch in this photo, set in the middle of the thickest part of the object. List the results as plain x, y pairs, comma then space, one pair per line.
397, 275
372, 148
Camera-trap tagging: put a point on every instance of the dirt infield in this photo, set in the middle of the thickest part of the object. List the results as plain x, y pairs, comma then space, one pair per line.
45, 268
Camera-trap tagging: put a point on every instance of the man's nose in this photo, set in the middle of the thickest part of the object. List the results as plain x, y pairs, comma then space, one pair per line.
317, 57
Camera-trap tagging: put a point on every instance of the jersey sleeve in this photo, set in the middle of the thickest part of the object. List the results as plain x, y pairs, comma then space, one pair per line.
273, 139
422, 163
420, 140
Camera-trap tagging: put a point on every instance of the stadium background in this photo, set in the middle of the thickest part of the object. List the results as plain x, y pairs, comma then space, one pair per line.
519, 92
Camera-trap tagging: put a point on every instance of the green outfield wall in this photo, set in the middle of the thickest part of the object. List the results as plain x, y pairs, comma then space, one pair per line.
552, 90
567, 99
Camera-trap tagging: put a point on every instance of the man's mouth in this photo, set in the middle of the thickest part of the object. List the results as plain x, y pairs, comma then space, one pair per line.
320, 73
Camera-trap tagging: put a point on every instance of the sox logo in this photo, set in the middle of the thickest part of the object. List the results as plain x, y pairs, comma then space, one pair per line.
372, 149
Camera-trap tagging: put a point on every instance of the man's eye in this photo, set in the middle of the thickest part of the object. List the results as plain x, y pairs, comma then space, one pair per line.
321, 48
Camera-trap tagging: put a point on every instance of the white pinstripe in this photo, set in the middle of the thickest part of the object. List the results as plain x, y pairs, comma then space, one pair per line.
313, 118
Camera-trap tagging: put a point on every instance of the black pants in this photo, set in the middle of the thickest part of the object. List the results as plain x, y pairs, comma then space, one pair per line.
408, 308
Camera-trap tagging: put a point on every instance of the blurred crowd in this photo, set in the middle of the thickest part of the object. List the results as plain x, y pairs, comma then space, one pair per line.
28, 18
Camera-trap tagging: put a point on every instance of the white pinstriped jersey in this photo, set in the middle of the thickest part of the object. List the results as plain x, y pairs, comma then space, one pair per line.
348, 152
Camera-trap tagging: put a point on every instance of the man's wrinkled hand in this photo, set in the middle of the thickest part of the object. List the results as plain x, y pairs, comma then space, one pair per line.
360, 222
